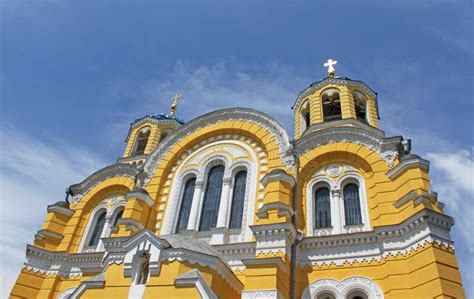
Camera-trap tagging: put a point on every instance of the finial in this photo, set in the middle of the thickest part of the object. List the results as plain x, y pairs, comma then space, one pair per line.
330, 65
174, 105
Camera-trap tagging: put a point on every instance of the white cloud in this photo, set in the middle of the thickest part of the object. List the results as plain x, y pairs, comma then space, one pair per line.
33, 174
269, 87
453, 178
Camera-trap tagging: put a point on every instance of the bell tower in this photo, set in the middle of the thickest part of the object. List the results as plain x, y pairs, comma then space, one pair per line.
335, 101
148, 132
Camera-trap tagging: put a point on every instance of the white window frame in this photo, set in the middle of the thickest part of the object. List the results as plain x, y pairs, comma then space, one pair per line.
110, 213
338, 225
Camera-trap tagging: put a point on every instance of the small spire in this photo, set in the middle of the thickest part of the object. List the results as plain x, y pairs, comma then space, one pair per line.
174, 105
330, 65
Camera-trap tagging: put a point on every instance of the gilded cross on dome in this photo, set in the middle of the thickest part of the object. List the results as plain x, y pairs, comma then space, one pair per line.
330, 65
174, 105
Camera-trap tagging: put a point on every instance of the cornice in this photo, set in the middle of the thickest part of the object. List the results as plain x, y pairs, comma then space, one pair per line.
387, 148
152, 120
61, 210
425, 227
115, 170
236, 114
278, 175
405, 165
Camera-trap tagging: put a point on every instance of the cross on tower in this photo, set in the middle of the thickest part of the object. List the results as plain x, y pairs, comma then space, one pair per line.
174, 105
330, 65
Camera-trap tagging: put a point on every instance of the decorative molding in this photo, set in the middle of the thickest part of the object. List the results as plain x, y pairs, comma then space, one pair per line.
278, 261
425, 227
193, 278
151, 120
274, 238
261, 294
386, 148
405, 165
283, 210
43, 233
347, 174
278, 175
116, 170
417, 199
96, 282
61, 210
335, 81
236, 114
196, 162
343, 288
334, 170
141, 195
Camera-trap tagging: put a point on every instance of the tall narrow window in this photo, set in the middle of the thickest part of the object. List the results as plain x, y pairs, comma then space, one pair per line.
331, 105
352, 205
186, 202
360, 104
323, 208
117, 218
212, 198
305, 117
99, 227
142, 140
238, 198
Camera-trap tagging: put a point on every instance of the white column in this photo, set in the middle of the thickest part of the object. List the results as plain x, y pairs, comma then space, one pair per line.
224, 205
105, 232
336, 211
196, 204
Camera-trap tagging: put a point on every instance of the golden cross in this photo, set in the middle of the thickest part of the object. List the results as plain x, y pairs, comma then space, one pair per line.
330, 65
174, 105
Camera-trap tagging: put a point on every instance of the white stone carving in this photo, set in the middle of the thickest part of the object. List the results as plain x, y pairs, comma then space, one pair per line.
231, 168
342, 289
424, 227
334, 170
347, 174
261, 294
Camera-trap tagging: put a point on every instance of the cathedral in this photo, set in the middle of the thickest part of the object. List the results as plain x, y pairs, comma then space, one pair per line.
228, 205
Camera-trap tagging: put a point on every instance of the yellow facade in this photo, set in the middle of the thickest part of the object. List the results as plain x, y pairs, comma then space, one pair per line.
225, 206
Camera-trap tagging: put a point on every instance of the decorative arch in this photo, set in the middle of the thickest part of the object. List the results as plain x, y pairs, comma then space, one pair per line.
236, 154
343, 288
209, 121
335, 176
109, 205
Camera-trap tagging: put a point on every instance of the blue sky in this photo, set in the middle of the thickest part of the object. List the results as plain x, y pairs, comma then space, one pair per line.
73, 75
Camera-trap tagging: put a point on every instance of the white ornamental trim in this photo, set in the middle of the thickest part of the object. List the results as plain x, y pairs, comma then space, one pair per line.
386, 148
342, 289
261, 294
423, 228
236, 114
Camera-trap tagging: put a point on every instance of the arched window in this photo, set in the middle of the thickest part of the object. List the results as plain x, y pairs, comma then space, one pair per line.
326, 295
357, 295
238, 198
186, 202
322, 208
117, 218
360, 104
212, 198
331, 105
164, 134
99, 227
305, 117
352, 204
141, 141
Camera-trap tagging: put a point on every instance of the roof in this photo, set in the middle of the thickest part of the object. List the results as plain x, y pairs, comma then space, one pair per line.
162, 116
187, 242
338, 81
